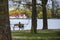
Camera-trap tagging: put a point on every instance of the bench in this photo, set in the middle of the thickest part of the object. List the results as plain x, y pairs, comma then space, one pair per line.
18, 25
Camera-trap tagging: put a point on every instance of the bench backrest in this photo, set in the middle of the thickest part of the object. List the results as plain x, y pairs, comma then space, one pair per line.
19, 25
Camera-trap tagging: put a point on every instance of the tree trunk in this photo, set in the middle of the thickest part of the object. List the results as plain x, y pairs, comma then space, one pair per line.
44, 18
34, 17
54, 9
44, 2
5, 33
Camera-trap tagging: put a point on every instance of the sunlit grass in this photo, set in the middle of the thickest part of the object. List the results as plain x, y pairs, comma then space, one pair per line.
41, 35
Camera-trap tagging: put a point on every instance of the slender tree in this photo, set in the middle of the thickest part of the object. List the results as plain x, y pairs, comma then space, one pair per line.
5, 33
34, 17
54, 8
29, 5
44, 2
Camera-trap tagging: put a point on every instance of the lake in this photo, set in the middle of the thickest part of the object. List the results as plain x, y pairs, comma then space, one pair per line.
52, 23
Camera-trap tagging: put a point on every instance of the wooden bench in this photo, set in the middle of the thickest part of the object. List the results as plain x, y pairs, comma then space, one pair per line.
18, 25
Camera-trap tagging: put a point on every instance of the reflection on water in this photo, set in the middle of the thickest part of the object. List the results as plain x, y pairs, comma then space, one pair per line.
52, 23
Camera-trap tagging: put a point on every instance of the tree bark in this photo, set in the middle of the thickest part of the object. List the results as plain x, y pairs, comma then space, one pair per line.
5, 33
34, 17
44, 2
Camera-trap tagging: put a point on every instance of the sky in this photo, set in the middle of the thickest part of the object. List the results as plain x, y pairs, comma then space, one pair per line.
49, 2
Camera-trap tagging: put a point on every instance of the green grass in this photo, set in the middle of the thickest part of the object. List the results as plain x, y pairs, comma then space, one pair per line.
43, 34
39, 39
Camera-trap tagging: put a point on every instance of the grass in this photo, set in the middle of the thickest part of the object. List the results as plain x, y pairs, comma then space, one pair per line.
38, 39
41, 35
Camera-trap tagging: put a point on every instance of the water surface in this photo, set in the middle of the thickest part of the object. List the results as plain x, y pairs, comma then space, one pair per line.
52, 23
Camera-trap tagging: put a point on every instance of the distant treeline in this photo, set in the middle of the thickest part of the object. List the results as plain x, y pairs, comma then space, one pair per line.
28, 13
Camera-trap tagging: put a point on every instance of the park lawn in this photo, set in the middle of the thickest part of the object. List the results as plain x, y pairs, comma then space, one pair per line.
41, 35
